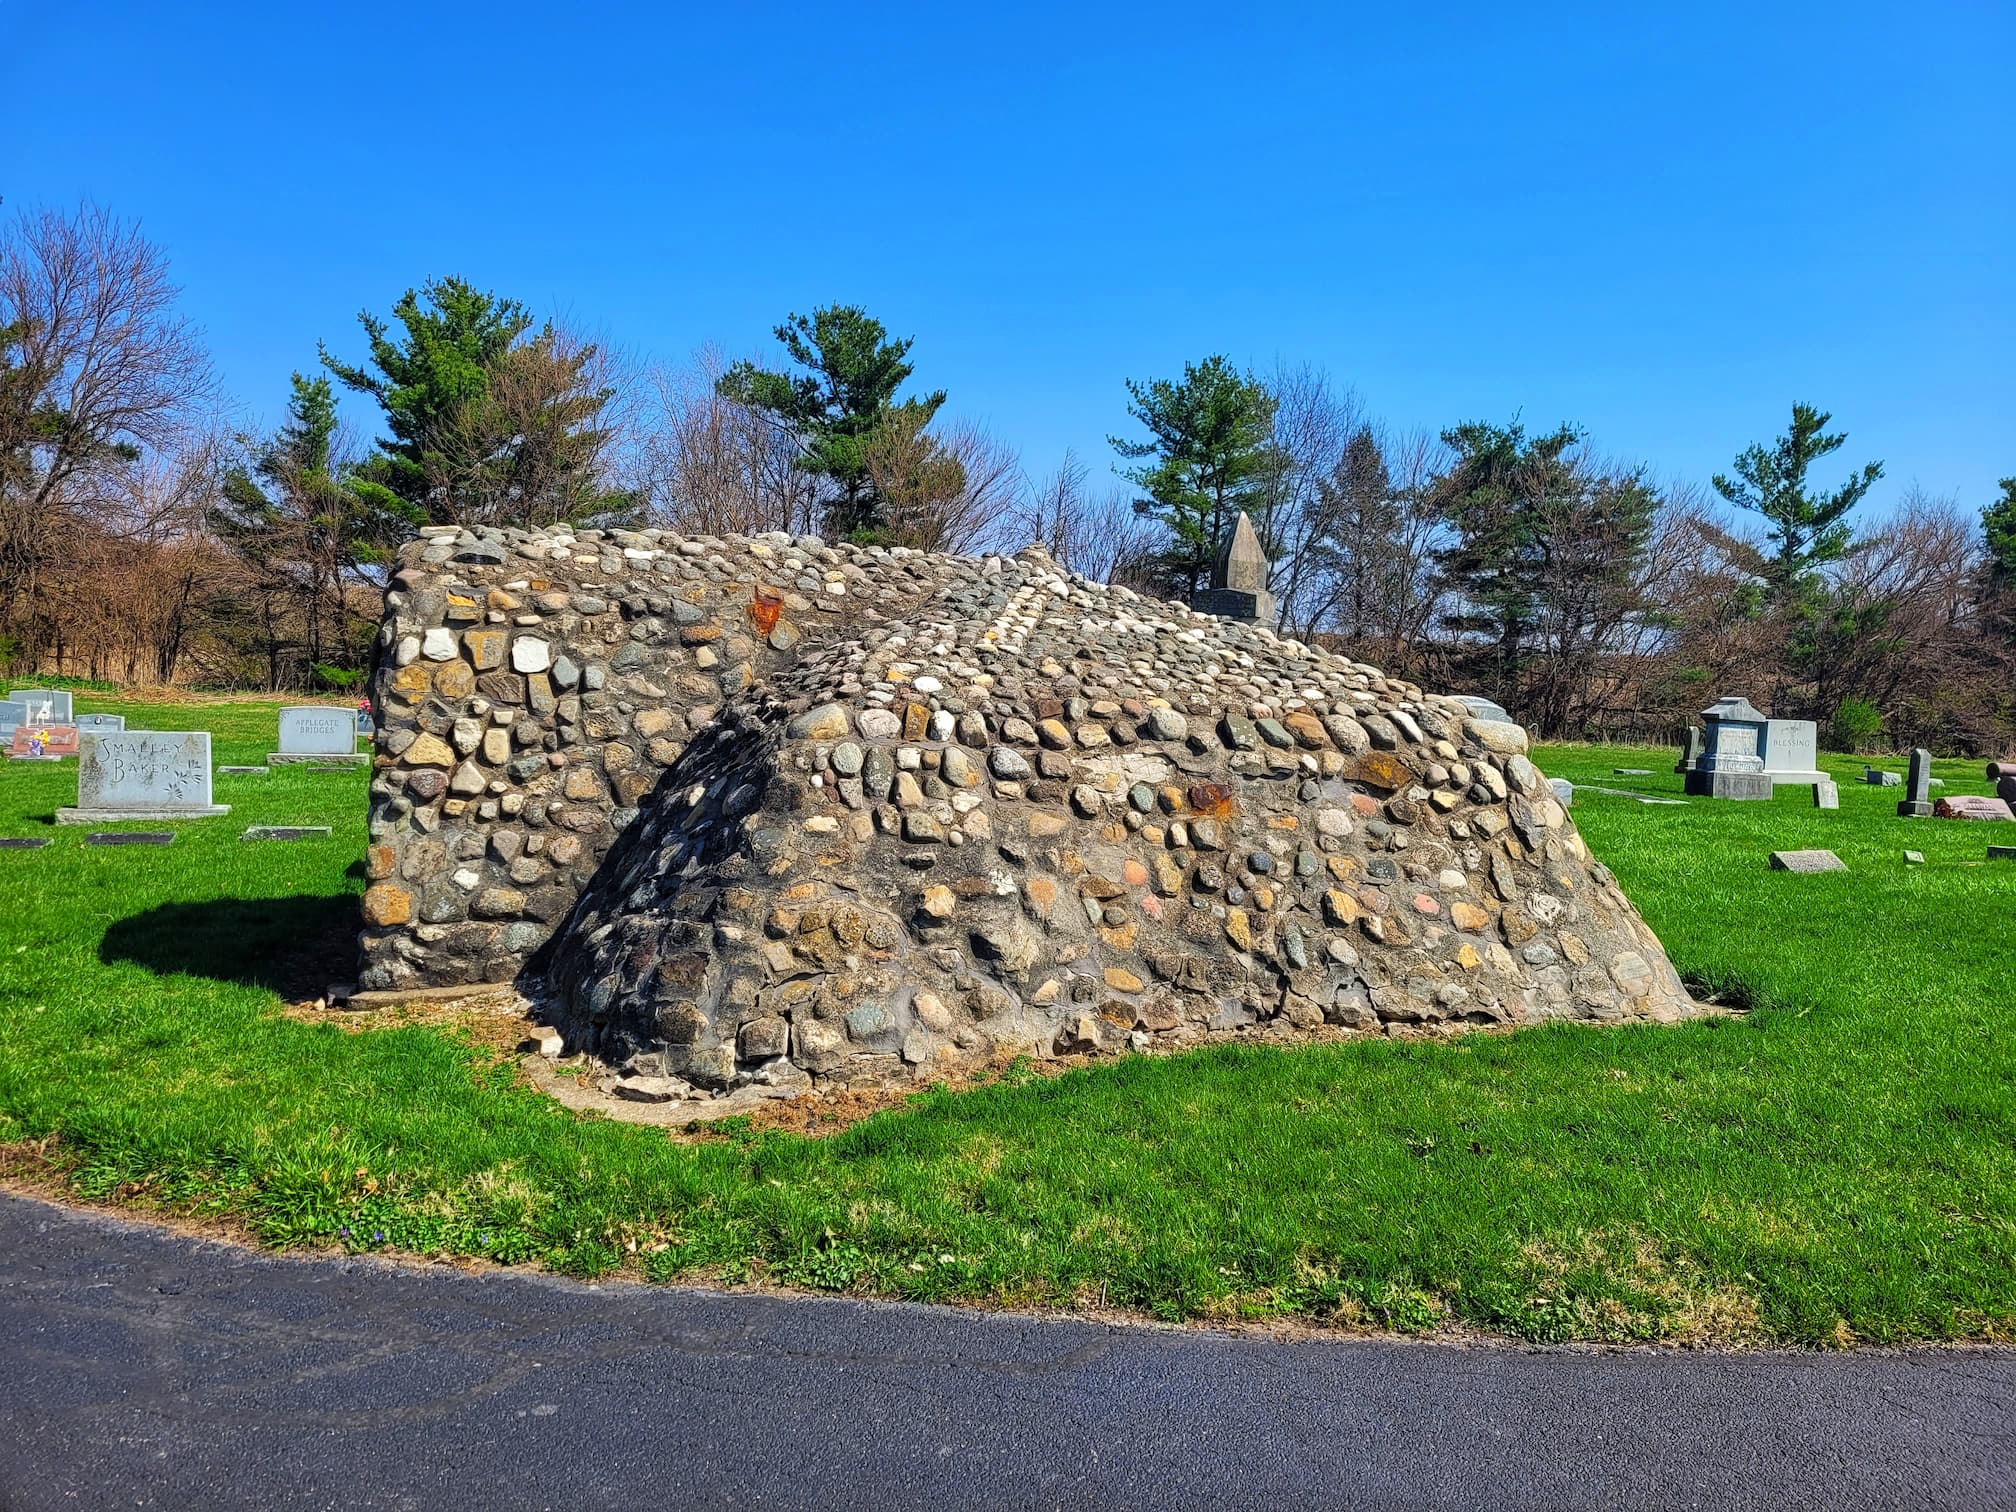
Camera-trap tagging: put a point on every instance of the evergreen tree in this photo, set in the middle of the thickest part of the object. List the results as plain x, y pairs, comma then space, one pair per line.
1208, 458
1998, 526
843, 395
491, 421
304, 534
1808, 530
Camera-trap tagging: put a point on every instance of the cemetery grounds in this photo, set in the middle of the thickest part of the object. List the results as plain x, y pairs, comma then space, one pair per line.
1833, 1163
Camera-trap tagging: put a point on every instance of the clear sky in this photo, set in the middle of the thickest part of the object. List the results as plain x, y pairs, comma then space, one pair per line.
1662, 222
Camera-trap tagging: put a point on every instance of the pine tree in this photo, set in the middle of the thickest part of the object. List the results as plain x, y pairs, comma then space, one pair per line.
843, 395
1808, 530
1208, 458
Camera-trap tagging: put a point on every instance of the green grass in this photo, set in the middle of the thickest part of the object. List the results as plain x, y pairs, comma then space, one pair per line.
1839, 1164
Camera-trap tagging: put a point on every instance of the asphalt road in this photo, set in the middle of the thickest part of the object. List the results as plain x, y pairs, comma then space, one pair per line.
141, 1369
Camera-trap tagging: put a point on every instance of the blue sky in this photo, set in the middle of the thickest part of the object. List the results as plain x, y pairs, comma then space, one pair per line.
1664, 223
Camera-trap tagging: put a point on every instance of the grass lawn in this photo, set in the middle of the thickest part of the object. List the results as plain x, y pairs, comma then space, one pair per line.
1837, 1166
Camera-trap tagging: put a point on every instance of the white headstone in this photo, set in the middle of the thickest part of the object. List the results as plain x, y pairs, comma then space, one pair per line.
1791, 751
317, 730
143, 774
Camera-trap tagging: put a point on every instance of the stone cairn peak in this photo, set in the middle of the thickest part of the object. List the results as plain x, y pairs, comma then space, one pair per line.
770, 812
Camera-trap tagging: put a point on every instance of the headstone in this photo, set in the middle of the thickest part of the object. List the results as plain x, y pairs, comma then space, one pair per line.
130, 837
1917, 802
42, 742
21, 842
1791, 751
13, 713
365, 728
1806, 861
1731, 764
144, 774
1826, 795
1239, 578
1564, 791
1877, 777
1914, 858
285, 832
1484, 708
1690, 750
49, 705
317, 733
1962, 807
100, 724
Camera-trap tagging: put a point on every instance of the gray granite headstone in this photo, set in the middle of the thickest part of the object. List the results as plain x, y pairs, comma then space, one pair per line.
13, 713
44, 705
100, 724
1826, 795
1917, 802
316, 732
1564, 791
1806, 861
143, 774
1732, 759
1690, 750
1484, 708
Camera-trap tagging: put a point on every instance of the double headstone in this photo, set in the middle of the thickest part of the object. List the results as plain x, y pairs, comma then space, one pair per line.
144, 774
317, 733
43, 705
1917, 802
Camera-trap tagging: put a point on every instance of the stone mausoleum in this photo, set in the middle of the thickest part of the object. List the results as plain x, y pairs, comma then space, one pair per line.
771, 812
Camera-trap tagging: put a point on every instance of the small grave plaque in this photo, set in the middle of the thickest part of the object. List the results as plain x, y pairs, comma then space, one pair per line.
285, 832
100, 724
21, 842
1826, 795
1914, 858
1806, 861
144, 774
244, 771
130, 837
42, 742
1876, 777
1995, 852
1631, 771
1961, 806
49, 705
317, 733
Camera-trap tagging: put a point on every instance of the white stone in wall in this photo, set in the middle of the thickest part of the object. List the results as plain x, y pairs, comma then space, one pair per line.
529, 654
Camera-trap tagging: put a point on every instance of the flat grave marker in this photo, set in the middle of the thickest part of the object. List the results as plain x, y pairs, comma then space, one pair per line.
244, 771
1807, 861
1914, 858
144, 774
318, 734
285, 832
2002, 853
21, 842
1961, 806
130, 837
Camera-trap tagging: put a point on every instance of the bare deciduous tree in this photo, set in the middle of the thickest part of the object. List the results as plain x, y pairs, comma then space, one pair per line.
97, 373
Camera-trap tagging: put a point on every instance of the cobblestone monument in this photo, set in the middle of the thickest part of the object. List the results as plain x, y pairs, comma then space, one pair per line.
767, 812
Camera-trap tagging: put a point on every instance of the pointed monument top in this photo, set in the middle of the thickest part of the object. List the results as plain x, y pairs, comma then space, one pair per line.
1241, 565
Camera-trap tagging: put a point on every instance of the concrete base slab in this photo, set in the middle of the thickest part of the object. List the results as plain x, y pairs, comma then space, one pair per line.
295, 758
117, 815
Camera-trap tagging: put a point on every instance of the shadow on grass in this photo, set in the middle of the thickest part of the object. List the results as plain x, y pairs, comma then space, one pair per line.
293, 946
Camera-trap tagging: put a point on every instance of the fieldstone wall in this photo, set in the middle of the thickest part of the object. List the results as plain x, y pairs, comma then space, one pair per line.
764, 811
